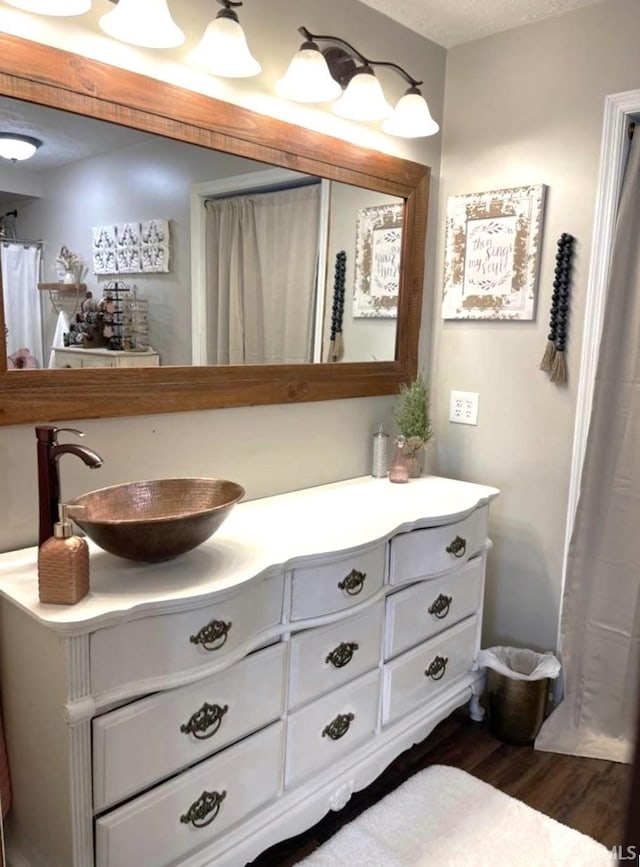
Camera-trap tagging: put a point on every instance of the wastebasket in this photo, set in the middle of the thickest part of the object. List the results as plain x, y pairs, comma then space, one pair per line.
517, 691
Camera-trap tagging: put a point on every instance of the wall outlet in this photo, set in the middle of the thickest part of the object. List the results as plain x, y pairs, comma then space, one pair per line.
463, 407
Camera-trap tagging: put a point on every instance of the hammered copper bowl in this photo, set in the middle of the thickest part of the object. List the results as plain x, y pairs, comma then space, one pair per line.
155, 520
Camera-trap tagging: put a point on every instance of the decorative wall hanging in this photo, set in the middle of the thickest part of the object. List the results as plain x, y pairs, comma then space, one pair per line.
131, 248
553, 360
491, 254
377, 264
336, 344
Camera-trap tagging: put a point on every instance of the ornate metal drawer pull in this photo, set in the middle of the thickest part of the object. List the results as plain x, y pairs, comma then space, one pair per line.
338, 727
440, 608
437, 668
342, 654
353, 583
203, 811
457, 547
208, 717
212, 636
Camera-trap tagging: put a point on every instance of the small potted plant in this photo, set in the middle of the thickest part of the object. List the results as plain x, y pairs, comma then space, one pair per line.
414, 422
70, 264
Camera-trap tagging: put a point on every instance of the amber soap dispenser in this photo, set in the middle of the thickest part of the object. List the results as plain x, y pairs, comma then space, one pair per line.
63, 564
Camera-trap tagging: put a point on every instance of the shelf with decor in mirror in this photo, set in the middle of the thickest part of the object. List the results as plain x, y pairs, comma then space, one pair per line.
64, 297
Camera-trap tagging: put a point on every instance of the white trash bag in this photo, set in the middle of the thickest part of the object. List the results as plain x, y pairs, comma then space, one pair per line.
518, 663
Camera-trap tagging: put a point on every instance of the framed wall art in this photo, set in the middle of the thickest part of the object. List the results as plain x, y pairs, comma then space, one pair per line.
377, 261
492, 251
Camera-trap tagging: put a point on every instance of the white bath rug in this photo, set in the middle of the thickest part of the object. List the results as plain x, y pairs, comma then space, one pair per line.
444, 817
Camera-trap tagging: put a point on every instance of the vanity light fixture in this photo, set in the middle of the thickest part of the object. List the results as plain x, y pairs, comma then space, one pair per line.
146, 23
15, 146
223, 49
363, 98
52, 7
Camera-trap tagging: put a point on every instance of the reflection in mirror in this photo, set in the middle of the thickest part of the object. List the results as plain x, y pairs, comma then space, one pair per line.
228, 295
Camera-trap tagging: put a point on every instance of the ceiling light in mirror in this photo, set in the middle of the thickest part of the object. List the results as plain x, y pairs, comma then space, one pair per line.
146, 23
52, 7
308, 78
411, 117
17, 147
223, 49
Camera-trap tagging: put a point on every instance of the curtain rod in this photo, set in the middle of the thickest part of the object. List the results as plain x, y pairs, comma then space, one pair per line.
25, 241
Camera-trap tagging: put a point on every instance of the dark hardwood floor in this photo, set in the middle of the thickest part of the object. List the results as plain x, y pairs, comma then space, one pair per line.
589, 795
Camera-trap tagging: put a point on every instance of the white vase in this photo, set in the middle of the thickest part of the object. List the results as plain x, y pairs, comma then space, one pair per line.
69, 277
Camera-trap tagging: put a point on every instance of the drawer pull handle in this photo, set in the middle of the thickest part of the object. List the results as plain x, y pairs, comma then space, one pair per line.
440, 608
342, 654
458, 547
437, 668
338, 727
203, 811
208, 717
353, 583
212, 636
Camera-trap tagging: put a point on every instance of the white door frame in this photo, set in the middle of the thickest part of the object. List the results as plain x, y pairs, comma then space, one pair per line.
618, 111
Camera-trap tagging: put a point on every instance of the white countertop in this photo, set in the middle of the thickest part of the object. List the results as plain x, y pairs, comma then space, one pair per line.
258, 537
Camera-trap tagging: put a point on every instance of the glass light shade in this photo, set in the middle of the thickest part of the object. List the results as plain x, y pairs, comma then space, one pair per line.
363, 99
147, 23
18, 147
52, 7
411, 117
308, 78
223, 50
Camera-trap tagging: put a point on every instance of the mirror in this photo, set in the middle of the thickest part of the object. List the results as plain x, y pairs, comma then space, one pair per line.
244, 144
280, 230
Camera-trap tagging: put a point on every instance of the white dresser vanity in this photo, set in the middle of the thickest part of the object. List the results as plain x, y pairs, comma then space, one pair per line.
196, 712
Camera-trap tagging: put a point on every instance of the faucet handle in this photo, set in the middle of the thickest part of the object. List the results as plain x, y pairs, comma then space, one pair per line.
49, 433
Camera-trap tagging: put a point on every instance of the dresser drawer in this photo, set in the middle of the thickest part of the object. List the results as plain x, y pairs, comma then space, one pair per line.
437, 549
161, 826
449, 655
337, 583
424, 610
166, 645
325, 658
148, 740
323, 732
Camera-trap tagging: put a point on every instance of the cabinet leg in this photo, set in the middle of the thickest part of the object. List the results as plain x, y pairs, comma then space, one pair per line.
476, 711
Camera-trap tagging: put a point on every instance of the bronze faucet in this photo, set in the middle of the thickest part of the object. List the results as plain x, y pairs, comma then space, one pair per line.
49, 452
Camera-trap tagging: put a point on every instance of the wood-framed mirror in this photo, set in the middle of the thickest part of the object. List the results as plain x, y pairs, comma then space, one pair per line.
44, 76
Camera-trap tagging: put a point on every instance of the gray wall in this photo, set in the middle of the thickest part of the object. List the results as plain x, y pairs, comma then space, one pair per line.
268, 449
526, 107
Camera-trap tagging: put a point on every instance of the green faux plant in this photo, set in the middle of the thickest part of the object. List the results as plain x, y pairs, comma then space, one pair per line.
412, 412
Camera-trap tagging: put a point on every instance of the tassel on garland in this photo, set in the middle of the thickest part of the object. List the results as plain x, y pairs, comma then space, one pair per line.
336, 343
553, 360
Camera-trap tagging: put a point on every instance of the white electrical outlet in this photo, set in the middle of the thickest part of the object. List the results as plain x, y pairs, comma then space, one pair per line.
463, 407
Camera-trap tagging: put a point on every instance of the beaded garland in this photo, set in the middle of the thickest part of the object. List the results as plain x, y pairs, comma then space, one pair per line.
553, 360
336, 345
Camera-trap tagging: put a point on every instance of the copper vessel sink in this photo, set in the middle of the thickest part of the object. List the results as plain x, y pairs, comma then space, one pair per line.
155, 520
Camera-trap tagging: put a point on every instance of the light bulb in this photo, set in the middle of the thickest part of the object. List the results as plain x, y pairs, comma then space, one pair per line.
52, 7
363, 99
411, 117
147, 23
308, 78
223, 49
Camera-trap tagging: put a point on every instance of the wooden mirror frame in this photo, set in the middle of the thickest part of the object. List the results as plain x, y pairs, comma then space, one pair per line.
36, 73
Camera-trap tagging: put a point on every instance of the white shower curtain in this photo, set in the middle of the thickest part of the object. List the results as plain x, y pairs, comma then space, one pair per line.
601, 607
261, 276
22, 312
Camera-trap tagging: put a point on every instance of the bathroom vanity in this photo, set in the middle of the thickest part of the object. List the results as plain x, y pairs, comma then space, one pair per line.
197, 711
